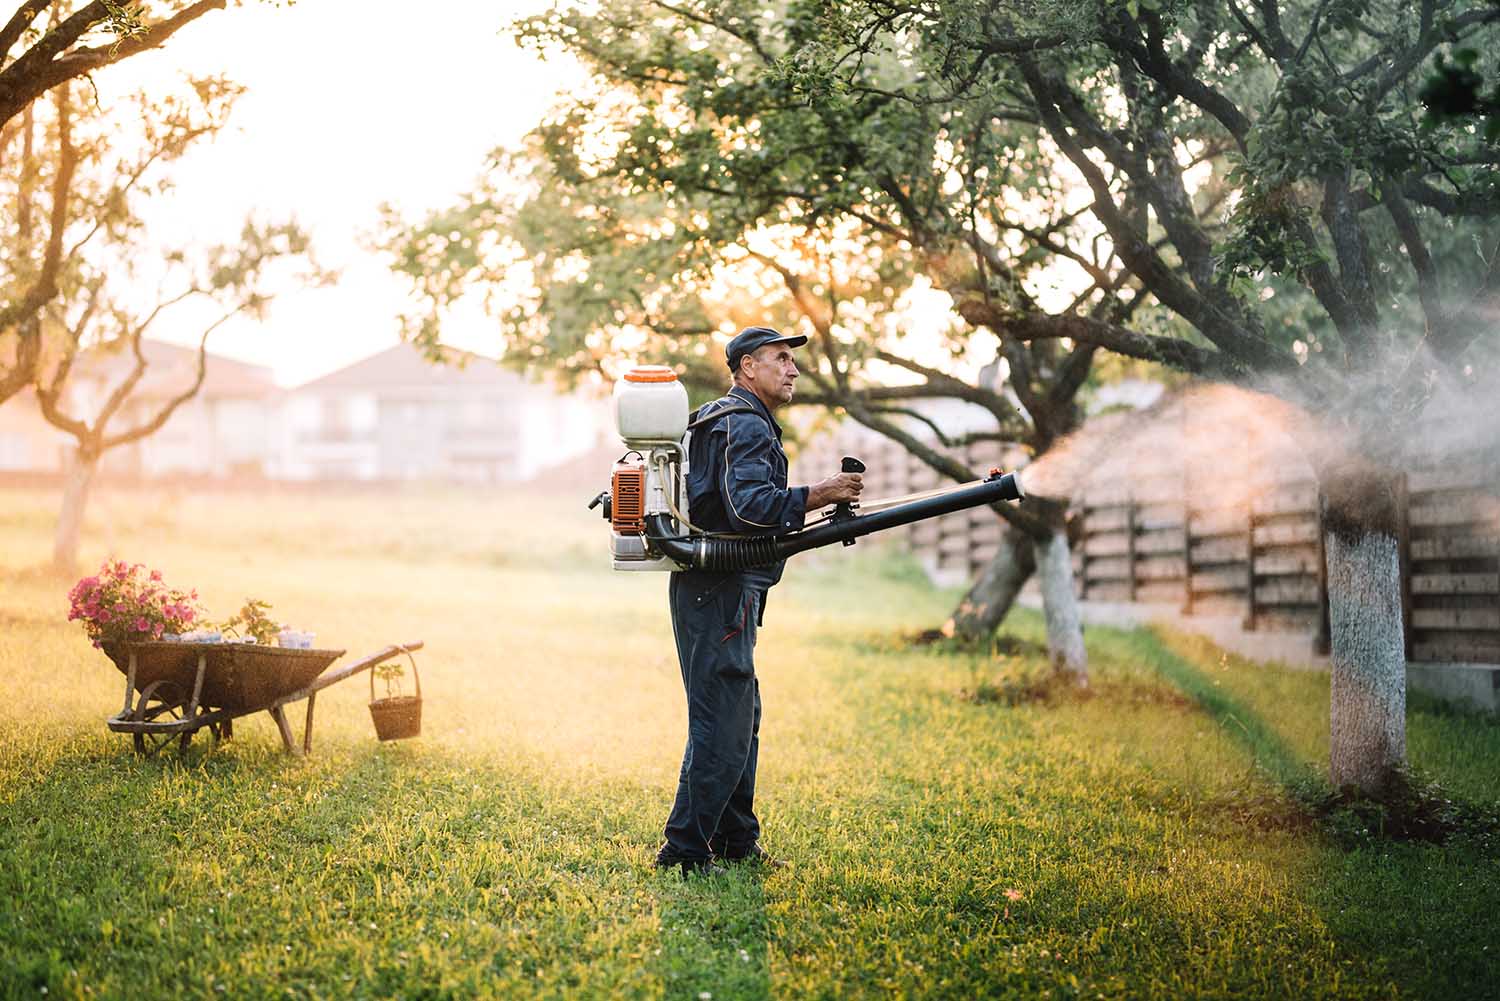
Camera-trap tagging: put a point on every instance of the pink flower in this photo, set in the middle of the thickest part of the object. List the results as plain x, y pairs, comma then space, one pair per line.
141, 625
156, 575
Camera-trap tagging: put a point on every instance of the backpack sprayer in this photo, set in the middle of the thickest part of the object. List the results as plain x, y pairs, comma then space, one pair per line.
646, 504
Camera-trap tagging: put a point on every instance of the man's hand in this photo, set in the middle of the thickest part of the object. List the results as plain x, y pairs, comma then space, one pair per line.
838, 487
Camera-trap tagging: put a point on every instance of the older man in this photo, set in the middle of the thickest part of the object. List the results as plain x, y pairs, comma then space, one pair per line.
737, 482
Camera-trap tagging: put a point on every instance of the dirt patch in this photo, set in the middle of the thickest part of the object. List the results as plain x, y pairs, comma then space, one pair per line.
1410, 809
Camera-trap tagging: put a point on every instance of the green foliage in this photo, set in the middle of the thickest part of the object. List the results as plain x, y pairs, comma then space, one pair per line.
391, 672
252, 621
1453, 90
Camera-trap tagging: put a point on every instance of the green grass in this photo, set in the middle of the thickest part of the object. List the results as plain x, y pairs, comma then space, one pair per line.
1147, 829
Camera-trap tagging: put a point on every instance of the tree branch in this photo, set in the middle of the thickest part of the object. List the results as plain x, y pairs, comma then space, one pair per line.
46, 64
165, 414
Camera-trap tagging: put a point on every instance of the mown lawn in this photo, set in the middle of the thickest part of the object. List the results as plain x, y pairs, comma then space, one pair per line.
1136, 843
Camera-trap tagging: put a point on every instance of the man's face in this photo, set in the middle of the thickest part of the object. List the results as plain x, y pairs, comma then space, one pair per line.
769, 374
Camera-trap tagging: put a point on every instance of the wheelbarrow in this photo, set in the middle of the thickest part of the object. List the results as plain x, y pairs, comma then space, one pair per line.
173, 690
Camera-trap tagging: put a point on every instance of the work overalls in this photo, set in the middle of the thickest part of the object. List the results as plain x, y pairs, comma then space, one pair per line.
737, 482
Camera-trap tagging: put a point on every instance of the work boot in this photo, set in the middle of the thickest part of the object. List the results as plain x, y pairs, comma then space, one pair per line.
690, 866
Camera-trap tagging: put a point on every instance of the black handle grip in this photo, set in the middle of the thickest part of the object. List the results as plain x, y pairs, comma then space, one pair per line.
844, 509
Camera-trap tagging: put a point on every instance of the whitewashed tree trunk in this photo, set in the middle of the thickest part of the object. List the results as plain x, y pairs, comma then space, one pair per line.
994, 592
1367, 687
70, 518
1060, 606
1367, 699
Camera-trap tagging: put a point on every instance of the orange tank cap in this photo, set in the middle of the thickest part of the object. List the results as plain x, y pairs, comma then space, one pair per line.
651, 373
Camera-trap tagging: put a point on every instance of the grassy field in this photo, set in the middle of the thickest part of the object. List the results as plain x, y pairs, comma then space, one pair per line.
1140, 842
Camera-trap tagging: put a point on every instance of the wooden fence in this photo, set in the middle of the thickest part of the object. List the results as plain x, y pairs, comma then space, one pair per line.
1247, 548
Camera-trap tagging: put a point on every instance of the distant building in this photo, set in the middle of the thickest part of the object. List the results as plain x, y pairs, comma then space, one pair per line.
392, 416
398, 416
220, 430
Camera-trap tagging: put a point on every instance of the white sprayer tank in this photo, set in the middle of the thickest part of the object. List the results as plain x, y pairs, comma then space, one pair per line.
651, 405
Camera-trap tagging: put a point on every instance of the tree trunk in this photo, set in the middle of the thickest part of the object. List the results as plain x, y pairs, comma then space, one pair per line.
1060, 604
70, 519
988, 602
1367, 700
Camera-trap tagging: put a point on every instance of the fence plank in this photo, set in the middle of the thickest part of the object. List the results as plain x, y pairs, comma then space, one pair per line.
1287, 563
1467, 652
1455, 618
1294, 534
1114, 544
1156, 543
1455, 548
1288, 499
1457, 477
1215, 551
1227, 521
1218, 582
1296, 591
1459, 510
1109, 568
1456, 583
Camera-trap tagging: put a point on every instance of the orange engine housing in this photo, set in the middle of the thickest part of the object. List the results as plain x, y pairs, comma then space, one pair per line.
627, 498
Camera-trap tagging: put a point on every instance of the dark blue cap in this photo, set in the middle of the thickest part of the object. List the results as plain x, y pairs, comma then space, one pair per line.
752, 339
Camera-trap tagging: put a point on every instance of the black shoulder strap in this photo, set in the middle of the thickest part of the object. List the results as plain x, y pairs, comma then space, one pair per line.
695, 422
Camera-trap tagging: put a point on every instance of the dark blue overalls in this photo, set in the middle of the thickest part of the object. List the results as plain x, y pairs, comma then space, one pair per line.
737, 482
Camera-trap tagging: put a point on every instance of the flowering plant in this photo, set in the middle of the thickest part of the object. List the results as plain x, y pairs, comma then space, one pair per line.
125, 602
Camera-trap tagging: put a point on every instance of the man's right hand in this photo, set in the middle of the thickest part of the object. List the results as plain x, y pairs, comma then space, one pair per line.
838, 487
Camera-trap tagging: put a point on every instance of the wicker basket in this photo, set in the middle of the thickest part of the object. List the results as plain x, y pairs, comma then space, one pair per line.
400, 716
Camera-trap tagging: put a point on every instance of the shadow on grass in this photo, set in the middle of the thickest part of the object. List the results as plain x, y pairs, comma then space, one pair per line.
1265, 746
714, 935
1410, 887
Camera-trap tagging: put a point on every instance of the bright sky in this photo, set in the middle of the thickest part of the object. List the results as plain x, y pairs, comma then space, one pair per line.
350, 103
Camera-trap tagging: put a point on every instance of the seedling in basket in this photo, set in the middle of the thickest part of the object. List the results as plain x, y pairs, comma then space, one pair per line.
391, 672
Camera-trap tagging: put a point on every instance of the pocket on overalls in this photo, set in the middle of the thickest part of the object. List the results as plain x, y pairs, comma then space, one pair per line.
738, 608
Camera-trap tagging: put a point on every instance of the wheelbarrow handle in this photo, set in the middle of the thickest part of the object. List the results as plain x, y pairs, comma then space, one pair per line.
349, 670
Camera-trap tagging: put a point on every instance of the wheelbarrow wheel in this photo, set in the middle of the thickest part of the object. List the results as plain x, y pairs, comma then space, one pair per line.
160, 702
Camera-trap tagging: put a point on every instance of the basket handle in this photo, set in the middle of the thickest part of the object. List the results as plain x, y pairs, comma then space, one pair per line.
416, 675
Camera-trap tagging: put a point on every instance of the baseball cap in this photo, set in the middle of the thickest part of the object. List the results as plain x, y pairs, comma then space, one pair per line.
752, 339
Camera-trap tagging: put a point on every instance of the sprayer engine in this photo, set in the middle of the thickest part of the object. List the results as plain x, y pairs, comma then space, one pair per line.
651, 413
646, 505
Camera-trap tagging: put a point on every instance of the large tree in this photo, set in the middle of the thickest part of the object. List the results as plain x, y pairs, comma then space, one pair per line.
693, 160
1250, 188
107, 264
1354, 270
44, 45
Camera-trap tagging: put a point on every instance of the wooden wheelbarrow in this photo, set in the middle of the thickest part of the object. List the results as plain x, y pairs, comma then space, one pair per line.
173, 690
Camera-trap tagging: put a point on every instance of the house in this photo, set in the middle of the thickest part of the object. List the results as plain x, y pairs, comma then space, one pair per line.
392, 416
220, 430
398, 416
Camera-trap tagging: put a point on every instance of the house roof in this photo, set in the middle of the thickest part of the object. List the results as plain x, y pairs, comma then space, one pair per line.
171, 369
405, 367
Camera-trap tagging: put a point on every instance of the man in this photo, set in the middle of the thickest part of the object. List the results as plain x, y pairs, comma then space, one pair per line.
737, 482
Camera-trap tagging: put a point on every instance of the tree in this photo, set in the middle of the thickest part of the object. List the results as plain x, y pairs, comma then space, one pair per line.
1257, 178
696, 150
1342, 275
99, 306
44, 45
